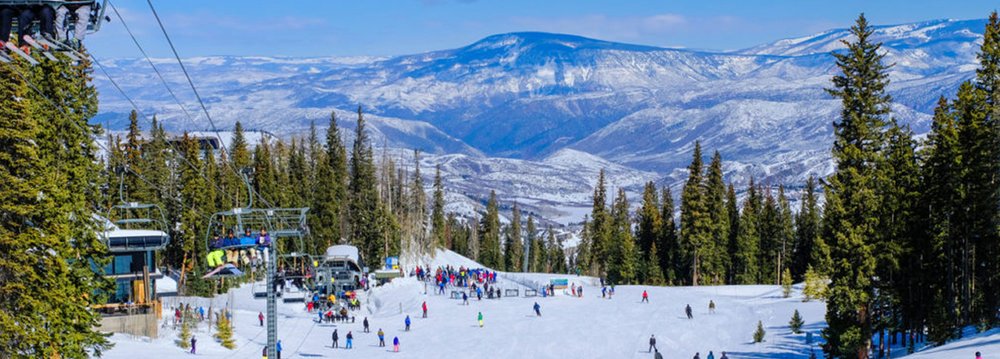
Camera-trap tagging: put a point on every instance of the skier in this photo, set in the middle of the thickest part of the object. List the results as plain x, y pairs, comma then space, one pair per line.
278, 347
260, 317
604, 292
425, 309
366, 324
687, 309
711, 307
263, 352
538, 309
697, 356
335, 337
710, 355
395, 344
979, 356
407, 321
465, 298
579, 291
381, 337
479, 294
652, 343
194, 345
350, 339
480, 319
645, 296
811, 355
658, 355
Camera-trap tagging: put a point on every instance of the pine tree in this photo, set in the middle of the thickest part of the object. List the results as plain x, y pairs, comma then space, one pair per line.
816, 285
437, 212
716, 257
668, 241
732, 246
987, 245
193, 226
600, 229
329, 208
785, 232
745, 263
48, 186
696, 226
184, 339
796, 323
136, 187
372, 223
786, 283
807, 232
897, 265
537, 256
514, 246
556, 256
622, 256
648, 231
224, 332
941, 195
654, 274
490, 254
769, 228
758, 335
582, 259
851, 198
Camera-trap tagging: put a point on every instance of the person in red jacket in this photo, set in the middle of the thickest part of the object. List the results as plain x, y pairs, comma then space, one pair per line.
645, 296
260, 317
425, 309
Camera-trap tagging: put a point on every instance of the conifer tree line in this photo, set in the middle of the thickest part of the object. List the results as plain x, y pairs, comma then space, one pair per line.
715, 240
48, 193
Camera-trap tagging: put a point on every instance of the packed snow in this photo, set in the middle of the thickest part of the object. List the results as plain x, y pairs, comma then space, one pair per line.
575, 327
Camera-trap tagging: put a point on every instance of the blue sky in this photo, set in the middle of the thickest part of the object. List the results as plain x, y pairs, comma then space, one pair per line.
394, 27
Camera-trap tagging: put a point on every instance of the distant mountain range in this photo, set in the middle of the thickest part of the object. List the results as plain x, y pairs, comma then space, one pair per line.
535, 115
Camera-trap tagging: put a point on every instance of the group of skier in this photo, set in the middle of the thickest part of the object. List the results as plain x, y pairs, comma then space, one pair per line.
657, 355
53, 21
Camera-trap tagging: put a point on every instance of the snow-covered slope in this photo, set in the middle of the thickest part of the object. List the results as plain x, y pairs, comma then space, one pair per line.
586, 327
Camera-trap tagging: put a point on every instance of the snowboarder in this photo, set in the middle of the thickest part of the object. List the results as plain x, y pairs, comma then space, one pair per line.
381, 337
687, 310
425, 309
538, 309
645, 296
480, 319
652, 343
711, 307
260, 317
658, 355
366, 324
263, 352
277, 346
465, 298
350, 339
407, 321
194, 346
710, 355
335, 337
395, 344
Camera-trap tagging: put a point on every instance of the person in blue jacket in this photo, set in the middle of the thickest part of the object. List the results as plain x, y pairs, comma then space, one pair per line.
278, 347
538, 309
350, 340
407, 321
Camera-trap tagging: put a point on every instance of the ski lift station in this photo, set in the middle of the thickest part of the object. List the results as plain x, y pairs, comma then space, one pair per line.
339, 270
133, 232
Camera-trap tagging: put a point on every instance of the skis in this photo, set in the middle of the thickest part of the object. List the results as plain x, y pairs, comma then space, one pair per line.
63, 47
14, 49
4, 58
43, 49
66, 50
